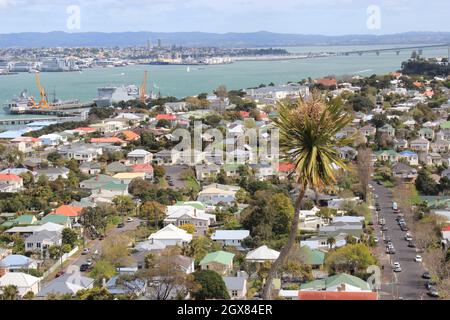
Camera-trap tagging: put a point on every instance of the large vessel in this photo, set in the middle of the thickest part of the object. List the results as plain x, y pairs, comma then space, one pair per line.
109, 95
27, 104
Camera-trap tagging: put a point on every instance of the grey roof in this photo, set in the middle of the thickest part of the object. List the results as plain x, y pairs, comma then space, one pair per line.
66, 284
234, 283
117, 167
44, 235
53, 171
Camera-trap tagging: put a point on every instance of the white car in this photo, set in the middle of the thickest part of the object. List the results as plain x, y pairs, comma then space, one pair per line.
129, 219
418, 258
396, 264
375, 239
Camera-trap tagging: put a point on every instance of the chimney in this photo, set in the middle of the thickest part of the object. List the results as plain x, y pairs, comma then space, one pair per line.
195, 212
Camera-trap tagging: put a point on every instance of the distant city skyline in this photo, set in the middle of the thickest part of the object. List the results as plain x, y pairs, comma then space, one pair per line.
326, 17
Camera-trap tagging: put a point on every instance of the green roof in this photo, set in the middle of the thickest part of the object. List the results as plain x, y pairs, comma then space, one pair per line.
114, 186
218, 257
232, 166
312, 257
24, 219
323, 284
390, 152
194, 204
55, 218
445, 125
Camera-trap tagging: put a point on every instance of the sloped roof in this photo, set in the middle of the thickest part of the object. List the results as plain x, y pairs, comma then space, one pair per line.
68, 210
262, 253
221, 257
323, 284
171, 232
337, 295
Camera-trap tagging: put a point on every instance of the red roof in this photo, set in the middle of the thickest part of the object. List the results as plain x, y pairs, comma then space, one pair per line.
244, 114
147, 168
447, 228
285, 167
85, 129
263, 115
336, 295
68, 211
327, 82
107, 140
9, 177
130, 135
170, 117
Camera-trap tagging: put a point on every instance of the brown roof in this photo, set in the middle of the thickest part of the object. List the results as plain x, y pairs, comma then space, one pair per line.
336, 295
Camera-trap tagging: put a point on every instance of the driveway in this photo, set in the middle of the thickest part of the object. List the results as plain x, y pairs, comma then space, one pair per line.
407, 284
174, 172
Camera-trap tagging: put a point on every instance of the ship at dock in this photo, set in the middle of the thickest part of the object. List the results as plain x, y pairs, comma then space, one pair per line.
26, 104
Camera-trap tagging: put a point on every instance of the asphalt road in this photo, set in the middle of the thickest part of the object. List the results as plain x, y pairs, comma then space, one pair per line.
407, 284
96, 244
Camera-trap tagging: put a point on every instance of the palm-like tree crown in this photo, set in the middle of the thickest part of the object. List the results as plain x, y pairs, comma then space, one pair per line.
308, 139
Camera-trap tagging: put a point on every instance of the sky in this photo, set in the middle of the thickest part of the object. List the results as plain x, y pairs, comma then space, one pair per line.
328, 17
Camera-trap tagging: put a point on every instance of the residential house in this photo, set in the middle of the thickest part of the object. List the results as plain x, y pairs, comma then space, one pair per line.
66, 222
67, 284
54, 173
426, 133
51, 139
323, 243
127, 177
400, 144
170, 235
420, 144
440, 146
146, 168
80, 152
26, 144
10, 182
263, 171
116, 167
107, 192
368, 131
232, 238
236, 287
72, 212
312, 257
23, 282
206, 171
262, 254
42, 240
168, 157
309, 221
16, 262
181, 215
91, 168
403, 171
337, 283
97, 182
387, 156
139, 156
219, 261
388, 129
217, 193
433, 159
411, 157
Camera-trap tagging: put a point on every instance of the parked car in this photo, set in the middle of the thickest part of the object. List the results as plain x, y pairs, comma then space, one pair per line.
408, 237
398, 269
84, 267
375, 239
433, 293
89, 262
85, 251
121, 225
411, 244
59, 274
387, 239
418, 258
429, 284
426, 275
129, 219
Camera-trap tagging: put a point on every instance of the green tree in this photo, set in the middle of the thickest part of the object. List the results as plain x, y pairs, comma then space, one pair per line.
425, 183
199, 247
102, 270
211, 284
69, 237
308, 132
9, 292
350, 258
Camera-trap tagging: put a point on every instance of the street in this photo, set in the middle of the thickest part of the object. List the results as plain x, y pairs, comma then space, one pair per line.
78, 259
407, 284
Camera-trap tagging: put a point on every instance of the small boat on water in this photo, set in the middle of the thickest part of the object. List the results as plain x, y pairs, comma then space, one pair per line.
188, 69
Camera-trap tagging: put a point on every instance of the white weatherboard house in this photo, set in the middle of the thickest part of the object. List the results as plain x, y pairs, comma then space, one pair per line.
262, 254
181, 215
172, 236
230, 237
139, 156
24, 282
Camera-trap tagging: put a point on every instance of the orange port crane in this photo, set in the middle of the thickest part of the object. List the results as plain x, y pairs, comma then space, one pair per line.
43, 103
143, 89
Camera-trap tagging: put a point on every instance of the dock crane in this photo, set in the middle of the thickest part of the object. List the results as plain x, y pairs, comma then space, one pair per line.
43, 103
143, 88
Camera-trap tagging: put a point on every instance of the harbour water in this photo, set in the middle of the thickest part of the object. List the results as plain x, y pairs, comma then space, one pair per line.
176, 81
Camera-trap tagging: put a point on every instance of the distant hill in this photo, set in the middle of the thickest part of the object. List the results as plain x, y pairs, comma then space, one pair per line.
255, 39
